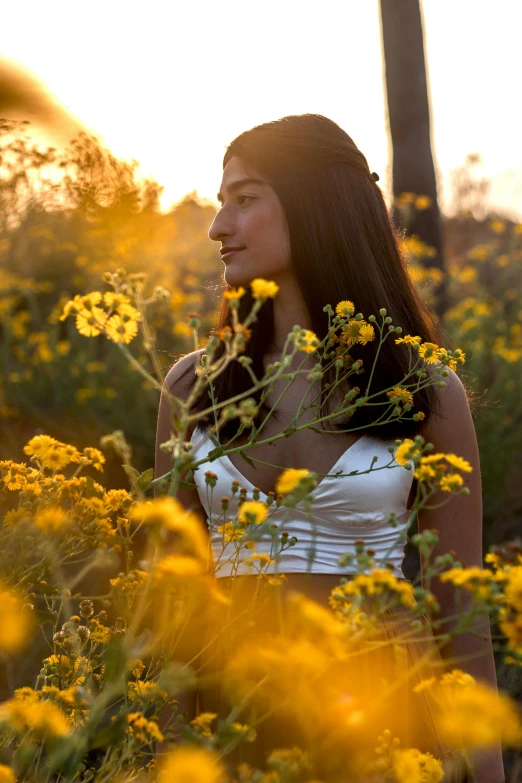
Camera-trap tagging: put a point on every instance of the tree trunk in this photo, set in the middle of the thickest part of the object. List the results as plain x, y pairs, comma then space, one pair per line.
409, 118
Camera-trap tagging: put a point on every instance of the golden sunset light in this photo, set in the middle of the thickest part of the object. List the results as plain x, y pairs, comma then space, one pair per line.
230, 231
171, 85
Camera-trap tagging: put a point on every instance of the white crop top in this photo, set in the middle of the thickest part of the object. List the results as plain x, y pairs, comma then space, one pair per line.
345, 509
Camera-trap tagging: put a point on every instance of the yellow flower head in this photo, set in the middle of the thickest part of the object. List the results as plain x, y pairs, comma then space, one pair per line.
234, 293
190, 764
403, 394
309, 342
429, 352
409, 339
345, 308
6, 774
479, 717
263, 289
406, 448
52, 519
177, 566
121, 331
95, 457
169, 514
410, 765
43, 717
289, 480
513, 589
366, 334
252, 511
90, 322
16, 621
423, 202
51, 453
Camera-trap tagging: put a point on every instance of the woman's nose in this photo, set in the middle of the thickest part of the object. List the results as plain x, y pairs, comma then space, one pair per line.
221, 227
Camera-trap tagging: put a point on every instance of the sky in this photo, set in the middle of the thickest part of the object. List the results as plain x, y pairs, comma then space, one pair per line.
170, 84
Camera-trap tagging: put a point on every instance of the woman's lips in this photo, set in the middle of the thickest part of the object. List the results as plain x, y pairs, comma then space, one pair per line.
231, 253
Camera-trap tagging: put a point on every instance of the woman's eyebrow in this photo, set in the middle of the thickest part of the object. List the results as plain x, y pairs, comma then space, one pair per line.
239, 183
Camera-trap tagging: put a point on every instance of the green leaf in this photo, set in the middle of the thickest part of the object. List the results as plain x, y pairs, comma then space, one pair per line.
145, 478
114, 659
247, 459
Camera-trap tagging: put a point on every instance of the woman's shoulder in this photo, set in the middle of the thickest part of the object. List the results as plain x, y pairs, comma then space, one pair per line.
453, 414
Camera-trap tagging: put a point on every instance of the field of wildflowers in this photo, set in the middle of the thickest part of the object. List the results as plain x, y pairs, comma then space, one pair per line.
86, 553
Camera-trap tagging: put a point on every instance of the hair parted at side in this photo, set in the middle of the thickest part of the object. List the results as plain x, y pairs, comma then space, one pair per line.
343, 246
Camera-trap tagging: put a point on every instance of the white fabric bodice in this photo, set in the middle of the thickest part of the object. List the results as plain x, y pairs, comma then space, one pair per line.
343, 509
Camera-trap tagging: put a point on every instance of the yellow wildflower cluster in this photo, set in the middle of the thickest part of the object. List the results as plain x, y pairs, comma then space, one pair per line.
380, 582
54, 455
142, 730
44, 718
357, 331
119, 321
16, 621
168, 514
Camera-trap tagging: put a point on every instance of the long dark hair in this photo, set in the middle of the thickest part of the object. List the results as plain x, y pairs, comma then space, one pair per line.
343, 246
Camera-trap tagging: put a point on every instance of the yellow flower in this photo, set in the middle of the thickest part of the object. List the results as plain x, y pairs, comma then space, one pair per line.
52, 519
429, 352
95, 457
120, 331
411, 766
423, 202
480, 717
308, 342
457, 678
403, 394
90, 322
51, 453
513, 589
424, 685
142, 730
345, 308
234, 293
114, 301
458, 462
450, 482
289, 479
401, 454
252, 511
43, 717
262, 289
230, 532
16, 621
409, 339
203, 721
6, 774
498, 226
366, 334
169, 514
424, 473
174, 566
351, 331
190, 764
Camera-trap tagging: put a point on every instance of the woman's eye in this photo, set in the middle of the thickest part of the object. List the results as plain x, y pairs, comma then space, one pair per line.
240, 198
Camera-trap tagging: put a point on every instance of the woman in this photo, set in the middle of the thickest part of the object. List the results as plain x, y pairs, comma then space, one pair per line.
300, 207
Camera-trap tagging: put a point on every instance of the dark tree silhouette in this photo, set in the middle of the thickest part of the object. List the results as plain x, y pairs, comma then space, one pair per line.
409, 117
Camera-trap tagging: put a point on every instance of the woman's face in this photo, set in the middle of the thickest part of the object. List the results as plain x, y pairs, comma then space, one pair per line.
251, 218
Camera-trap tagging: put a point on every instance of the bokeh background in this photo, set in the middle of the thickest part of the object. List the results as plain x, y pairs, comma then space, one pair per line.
114, 121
